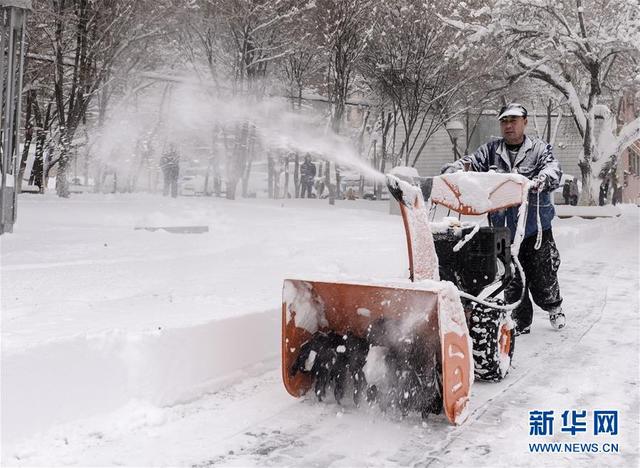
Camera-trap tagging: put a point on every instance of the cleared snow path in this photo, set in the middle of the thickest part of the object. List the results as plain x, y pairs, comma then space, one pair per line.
592, 364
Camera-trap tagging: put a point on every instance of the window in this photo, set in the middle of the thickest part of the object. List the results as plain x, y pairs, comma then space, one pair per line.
634, 159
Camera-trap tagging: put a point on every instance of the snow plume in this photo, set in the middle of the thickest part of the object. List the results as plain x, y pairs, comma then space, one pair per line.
114, 143
394, 343
279, 127
375, 369
303, 307
202, 122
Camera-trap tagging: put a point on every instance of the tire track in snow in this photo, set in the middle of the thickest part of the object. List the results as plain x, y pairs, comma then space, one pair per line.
412, 450
539, 359
513, 384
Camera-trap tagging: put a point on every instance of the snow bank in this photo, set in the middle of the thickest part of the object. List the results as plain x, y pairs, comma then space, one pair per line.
69, 379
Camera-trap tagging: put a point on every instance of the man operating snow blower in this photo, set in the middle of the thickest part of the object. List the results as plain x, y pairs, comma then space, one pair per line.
533, 158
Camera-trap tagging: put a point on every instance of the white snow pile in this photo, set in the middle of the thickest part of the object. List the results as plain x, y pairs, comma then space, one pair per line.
446, 223
303, 307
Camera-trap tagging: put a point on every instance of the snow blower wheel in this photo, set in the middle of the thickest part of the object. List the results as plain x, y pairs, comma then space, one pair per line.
493, 342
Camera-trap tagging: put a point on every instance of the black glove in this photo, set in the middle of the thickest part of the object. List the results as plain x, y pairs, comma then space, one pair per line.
539, 183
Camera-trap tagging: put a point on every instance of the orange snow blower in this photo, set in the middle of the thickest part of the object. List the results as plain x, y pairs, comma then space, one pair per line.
413, 345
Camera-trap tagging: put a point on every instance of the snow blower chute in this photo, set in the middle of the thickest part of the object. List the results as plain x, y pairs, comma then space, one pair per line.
413, 345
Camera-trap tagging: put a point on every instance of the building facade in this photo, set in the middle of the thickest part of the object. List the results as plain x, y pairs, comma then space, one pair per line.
629, 162
567, 143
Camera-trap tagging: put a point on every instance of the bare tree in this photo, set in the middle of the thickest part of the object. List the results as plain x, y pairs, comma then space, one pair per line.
82, 40
574, 47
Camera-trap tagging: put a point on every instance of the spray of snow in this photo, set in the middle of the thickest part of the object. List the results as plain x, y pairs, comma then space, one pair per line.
308, 364
303, 307
278, 127
187, 114
375, 368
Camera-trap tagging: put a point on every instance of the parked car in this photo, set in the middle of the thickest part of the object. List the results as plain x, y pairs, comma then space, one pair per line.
191, 185
351, 181
76, 185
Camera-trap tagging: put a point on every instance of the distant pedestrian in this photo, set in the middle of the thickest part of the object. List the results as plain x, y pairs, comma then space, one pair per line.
307, 175
566, 192
617, 196
574, 192
170, 165
602, 196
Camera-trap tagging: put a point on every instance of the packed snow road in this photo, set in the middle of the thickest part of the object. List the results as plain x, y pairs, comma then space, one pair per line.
591, 365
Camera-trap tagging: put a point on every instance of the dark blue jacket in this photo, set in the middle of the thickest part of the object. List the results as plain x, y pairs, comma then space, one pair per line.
534, 158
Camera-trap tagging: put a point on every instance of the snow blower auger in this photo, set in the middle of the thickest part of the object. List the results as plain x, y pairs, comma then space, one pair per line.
412, 345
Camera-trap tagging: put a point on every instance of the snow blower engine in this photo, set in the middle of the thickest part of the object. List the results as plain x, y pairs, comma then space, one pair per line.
414, 345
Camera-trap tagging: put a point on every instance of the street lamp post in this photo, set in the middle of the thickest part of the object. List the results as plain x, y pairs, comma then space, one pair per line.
13, 16
455, 129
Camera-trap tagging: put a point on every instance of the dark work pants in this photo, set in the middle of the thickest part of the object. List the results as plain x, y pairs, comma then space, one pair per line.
541, 272
170, 184
306, 187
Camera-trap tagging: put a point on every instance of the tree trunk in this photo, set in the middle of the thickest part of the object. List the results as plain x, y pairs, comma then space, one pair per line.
231, 187
62, 184
270, 170
28, 135
383, 147
249, 152
245, 179
330, 186
296, 175
586, 197
286, 177
548, 127
374, 163
37, 171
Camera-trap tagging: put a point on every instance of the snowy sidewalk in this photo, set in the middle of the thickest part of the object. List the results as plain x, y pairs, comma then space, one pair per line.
60, 288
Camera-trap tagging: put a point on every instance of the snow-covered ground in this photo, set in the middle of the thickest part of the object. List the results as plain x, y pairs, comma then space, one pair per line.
130, 347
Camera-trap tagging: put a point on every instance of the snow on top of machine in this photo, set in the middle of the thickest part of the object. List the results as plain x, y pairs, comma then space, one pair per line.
479, 192
446, 223
303, 307
422, 250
